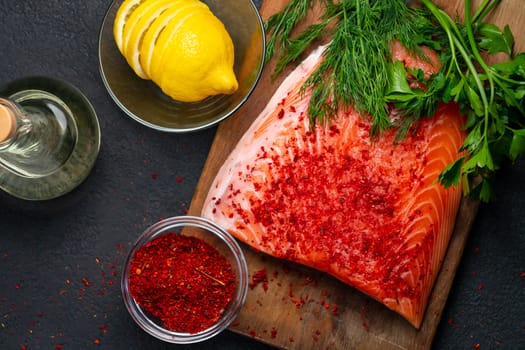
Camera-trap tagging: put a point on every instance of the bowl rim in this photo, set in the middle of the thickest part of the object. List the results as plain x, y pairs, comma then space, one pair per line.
176, 130
163, 227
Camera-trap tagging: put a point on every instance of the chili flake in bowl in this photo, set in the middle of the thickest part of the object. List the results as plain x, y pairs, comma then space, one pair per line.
185, 280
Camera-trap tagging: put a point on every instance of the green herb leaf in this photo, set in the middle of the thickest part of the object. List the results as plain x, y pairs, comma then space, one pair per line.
483, 191
452, 173
494, 40
398, 83
517, 146
474, 100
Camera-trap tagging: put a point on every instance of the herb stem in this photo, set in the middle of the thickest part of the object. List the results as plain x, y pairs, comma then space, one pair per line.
479, 59
484, 9
207, 275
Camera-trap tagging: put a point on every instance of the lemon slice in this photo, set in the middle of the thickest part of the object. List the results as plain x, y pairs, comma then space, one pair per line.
135, 28
150, 44
123, 13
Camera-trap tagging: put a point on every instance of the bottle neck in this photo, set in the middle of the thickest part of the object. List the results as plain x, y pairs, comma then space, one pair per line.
13, 123
7, 122
39, 136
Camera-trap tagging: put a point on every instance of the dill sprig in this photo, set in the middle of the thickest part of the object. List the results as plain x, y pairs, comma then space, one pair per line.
354, 70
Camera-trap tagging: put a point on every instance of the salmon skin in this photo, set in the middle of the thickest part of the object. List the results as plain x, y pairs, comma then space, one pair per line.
369, 212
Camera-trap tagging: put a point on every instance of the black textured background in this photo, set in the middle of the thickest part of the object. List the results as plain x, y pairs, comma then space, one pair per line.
60, 260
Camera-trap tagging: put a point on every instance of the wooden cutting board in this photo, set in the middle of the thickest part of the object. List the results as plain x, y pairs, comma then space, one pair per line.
294, 307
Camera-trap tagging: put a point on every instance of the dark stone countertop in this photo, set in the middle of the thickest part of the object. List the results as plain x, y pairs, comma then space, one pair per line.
60, 260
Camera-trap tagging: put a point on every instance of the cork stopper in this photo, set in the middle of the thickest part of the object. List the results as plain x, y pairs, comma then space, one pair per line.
7, 122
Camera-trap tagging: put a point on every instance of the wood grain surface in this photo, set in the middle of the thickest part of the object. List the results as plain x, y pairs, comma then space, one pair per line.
299, 308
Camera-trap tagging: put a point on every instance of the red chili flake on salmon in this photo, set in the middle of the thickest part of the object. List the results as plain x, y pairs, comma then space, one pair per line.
369, 212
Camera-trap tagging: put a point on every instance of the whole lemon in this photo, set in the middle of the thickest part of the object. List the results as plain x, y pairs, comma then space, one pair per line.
179, 44
197, 60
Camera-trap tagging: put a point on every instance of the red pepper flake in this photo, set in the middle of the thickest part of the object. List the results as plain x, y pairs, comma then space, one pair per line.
522, 274
17, 286
58, 346
291, 339
178, 179
364, 311
476, 250
23, 347
273, 333
365, 324
451, 323
184, 282
154, 175
280, 115
477, 345
316, 335
86, 282
480, 287
260, 276
96, 341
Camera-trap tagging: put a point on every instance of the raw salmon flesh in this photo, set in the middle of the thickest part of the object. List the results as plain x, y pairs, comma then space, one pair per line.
369, 212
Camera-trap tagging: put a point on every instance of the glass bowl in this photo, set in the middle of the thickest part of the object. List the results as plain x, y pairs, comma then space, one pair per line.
144, 101
214, 236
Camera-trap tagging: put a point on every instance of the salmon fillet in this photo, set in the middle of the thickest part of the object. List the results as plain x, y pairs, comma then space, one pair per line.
368, 212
